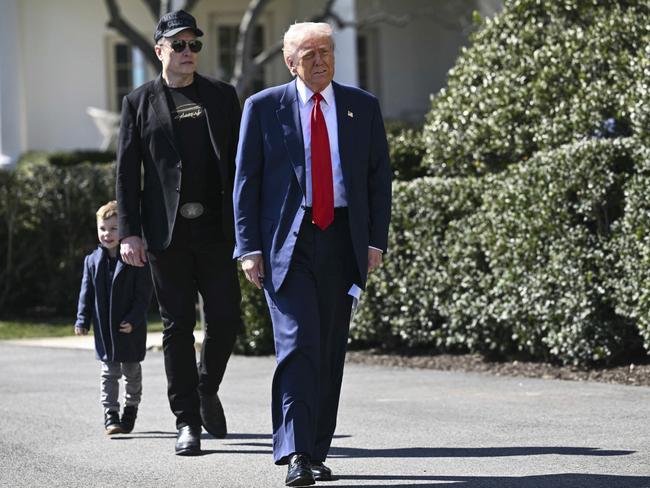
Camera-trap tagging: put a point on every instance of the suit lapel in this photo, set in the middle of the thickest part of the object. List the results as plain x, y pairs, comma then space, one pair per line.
158, 101
289, 116
118, 268
214, 112
345, 127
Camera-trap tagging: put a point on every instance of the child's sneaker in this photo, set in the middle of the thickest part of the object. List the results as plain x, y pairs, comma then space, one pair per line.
128, 418
112, 423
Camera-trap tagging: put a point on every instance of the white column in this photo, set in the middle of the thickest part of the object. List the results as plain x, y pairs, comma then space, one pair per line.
346, 44
11, 106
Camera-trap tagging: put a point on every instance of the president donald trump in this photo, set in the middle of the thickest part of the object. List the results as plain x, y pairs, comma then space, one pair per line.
312, 203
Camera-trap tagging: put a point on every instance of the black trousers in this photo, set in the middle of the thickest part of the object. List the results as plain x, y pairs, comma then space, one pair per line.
197, 259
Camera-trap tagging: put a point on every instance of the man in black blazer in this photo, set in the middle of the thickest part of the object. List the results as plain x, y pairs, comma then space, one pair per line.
182, 128
312, 207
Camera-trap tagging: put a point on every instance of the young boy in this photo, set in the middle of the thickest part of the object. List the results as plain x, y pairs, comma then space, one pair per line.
115, 297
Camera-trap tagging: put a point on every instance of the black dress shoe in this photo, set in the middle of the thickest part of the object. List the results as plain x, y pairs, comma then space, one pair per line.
321, 472
299, 471
188, 442
212, 416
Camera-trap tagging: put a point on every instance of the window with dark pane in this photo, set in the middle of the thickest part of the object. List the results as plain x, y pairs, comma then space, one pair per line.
227, 36
123, 71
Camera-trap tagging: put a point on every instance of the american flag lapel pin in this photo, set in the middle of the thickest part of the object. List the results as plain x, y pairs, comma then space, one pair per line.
350, 114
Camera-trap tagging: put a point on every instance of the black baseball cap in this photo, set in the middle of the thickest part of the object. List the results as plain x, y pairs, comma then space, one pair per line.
174, 22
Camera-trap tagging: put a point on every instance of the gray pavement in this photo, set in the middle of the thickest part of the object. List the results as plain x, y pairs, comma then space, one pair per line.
397, 427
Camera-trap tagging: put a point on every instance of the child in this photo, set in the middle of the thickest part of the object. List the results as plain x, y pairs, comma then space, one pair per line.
115, 298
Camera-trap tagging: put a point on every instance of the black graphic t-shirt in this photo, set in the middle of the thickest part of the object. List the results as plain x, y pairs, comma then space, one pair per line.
200, 177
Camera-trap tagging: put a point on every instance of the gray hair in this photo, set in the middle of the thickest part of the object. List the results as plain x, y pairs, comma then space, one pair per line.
299, 31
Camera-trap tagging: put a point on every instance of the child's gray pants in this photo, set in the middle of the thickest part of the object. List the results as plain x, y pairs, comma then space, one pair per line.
112, 371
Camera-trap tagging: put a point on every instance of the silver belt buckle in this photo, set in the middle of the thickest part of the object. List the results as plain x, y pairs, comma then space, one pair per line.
192, 210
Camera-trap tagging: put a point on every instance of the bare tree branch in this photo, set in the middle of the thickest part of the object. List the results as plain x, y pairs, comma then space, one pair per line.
245, 67
242, 72
117, 22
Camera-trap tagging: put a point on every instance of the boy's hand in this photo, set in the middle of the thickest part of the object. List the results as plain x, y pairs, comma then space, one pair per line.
80, 331
126, 328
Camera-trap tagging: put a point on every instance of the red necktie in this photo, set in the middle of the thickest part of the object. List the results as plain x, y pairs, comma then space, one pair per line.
322, 188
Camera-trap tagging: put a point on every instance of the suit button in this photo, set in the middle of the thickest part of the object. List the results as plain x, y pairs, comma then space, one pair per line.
178, 189
304, 207
295, 234
179, 165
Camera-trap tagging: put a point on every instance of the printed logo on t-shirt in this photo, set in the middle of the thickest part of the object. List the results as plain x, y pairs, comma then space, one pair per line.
188, 111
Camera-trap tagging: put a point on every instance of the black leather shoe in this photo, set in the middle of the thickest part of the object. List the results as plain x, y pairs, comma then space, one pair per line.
112, 423
128, 418
321, 472
188, 442
299, 471
212, 416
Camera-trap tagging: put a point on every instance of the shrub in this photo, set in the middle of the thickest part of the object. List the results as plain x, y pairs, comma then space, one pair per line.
542, 233
629, 252
540, 75
257, 337
47, 217
406, 151
73, 158
404, 296
511, 264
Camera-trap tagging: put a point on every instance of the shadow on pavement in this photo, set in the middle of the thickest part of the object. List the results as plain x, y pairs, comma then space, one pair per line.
416, 452
565, 480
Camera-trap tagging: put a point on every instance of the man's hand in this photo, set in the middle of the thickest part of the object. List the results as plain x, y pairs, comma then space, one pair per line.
253, 268
374, 259
126, 328
80, 331
132, 251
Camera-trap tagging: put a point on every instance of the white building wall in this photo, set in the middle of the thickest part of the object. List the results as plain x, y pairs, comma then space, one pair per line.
415, 46
61, 60
64, 48
12, 120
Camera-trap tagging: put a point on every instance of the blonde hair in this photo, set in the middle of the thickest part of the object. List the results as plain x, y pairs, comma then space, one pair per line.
299, 31
107, 211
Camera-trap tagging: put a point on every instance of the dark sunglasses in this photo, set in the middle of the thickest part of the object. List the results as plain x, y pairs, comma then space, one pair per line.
178, 45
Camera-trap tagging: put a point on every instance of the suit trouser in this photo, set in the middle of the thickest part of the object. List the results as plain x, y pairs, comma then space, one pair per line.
311, 319
195, 260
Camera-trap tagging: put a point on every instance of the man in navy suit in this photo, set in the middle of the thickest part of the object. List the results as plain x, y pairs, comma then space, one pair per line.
312, 200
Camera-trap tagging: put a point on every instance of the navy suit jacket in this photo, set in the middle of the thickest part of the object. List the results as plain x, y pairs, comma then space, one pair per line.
270, 187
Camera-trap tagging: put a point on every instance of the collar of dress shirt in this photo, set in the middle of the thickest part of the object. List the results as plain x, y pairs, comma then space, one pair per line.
305, 93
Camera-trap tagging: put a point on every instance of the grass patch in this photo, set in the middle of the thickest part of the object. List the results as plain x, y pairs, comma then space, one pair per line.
54, 327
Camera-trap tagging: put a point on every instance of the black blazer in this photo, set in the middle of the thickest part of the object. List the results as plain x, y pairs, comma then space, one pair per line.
148, 208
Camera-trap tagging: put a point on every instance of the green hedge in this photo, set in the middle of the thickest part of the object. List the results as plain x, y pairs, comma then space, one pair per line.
517, 263
47, 226
539, 75
258, 333
406, 151
629, 253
